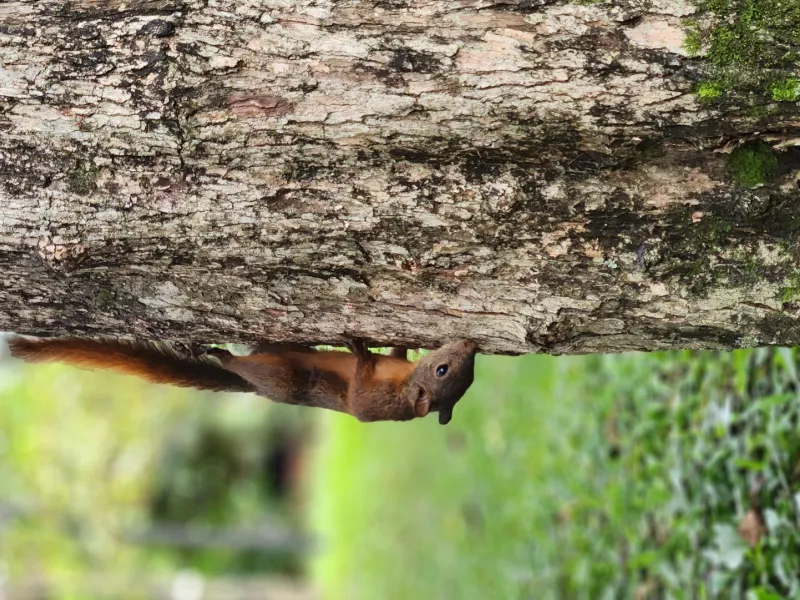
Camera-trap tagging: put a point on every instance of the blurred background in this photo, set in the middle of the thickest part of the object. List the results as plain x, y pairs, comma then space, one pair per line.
670, 475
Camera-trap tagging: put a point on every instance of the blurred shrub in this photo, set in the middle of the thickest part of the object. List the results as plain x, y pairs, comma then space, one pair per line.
92, 462
708, 447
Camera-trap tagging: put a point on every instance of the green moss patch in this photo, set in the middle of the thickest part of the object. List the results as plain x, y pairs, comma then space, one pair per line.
791, 291
752, 164
786, 90
82, 179
750, 46
709, 90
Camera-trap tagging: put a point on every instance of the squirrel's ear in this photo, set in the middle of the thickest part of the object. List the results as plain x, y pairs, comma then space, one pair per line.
422, 405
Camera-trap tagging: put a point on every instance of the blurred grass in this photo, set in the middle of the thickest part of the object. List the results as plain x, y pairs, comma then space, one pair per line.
415, 508
585, 477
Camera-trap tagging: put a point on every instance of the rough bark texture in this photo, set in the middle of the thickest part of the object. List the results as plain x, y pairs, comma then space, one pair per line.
535, 176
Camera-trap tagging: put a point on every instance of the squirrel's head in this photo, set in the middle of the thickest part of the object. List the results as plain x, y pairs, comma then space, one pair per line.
441, 378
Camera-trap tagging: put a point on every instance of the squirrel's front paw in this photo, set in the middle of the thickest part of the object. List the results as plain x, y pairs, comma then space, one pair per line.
219, 353
357, 346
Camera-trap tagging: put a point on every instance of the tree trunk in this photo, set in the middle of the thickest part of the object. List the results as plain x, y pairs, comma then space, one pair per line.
538, 177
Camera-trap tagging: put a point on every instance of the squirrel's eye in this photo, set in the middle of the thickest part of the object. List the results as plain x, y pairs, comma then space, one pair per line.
441, 370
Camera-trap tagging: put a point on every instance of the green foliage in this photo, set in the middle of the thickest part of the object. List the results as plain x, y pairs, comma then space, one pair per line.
750, 46
595, 477
723, 441
752, 164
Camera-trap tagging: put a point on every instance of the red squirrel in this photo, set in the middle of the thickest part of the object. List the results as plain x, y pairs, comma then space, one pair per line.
368, 386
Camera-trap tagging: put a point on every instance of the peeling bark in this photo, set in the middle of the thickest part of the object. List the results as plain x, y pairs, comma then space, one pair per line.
532, 175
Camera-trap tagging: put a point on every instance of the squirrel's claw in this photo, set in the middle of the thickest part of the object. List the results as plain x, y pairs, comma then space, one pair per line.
357, 346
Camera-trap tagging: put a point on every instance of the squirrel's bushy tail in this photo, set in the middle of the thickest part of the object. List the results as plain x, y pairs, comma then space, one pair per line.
154, 362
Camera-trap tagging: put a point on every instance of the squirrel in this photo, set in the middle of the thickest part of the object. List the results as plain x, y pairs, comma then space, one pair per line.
368, 386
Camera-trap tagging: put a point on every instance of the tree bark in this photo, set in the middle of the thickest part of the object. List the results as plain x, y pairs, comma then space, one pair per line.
538, 177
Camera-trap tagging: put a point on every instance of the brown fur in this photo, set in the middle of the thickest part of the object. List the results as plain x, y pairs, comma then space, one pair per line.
371, 387
153, 362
